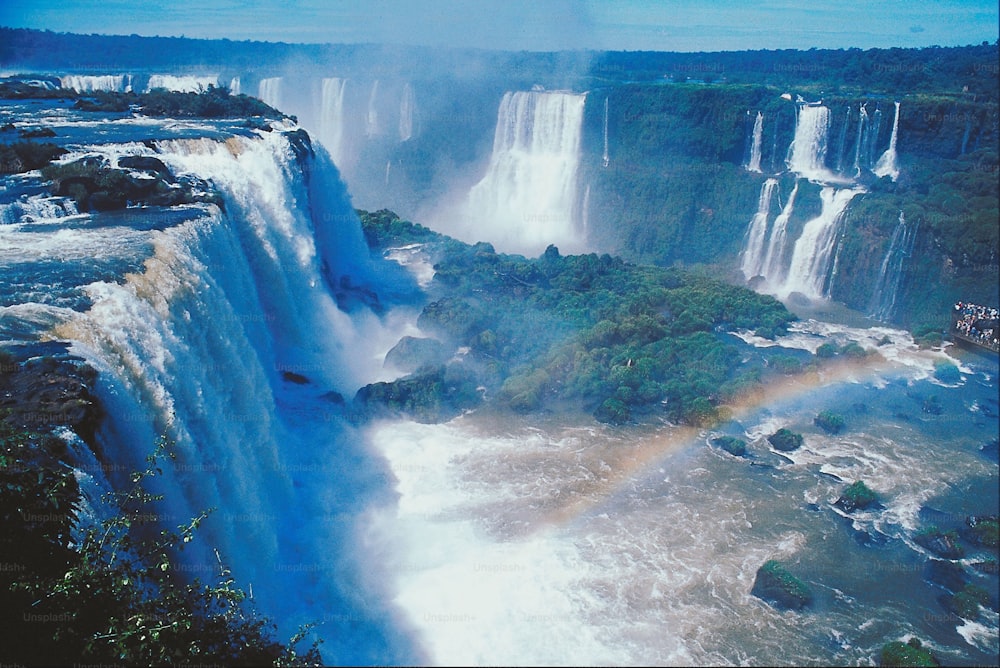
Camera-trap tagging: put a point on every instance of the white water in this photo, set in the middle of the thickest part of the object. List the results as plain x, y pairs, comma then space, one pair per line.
234, 86
808, 149
753, 253
332, 118
196, 346
758, 131
528, 197
605, 159
859, 142
808, 270
886, 291
269, 91
886, 165
371, 117
774, 265
84, 83
183, 83
406, 109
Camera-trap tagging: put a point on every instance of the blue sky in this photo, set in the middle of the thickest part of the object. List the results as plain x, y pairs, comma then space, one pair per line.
664, 25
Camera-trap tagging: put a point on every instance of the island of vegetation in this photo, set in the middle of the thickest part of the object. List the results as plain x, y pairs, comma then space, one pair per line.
591, 332
776, 585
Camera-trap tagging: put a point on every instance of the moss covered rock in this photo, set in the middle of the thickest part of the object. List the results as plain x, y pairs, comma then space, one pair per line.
910, 653
731, 444
856, 497
778, 587
785, 440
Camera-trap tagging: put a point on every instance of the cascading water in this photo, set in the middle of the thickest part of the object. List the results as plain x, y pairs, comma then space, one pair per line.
182, 83
808, 271
842, 141
605, 159
332, 118
83, 83
808, 149
885, 295
774, 266
371, 117
219, 327
269, 91
527, 199
234, 86
753, 253
406, 107
753, 165
860, 140
886, 165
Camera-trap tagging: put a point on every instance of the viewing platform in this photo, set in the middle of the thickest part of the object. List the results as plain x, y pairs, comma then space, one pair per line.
978, 325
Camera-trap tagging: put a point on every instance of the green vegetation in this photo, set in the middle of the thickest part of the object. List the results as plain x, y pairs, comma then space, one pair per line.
617, 339
212, 103
983, 531
967, 602
109, 593
910, 653
776, 584
942, 543
857, 496
830, 422
731, 444
785, 439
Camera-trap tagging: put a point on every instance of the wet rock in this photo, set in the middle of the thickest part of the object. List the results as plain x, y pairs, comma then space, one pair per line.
780, 588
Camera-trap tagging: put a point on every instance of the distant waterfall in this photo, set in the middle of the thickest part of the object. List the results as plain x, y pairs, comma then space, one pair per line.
234, 86
332, 118
808, 271
82, 83
371, 117
182, 84
527, 198
842, 141
886, 165
269, 91
406, 104
809, 145
605, 160
860, 140
753, 164
890, 278
753, 253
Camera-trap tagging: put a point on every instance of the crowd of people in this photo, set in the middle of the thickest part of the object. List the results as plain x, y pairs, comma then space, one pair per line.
977, 323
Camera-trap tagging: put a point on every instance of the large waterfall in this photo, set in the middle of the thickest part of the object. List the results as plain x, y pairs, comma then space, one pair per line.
86, 83
605, 158
219, 328
808, 271
182, 83
528, 197
406, 108
808, 150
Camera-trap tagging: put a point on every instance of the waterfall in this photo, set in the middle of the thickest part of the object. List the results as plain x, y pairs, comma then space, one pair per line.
753, 255
371, 118
406, 113
332, 118
808, 150
809, 268
859, 142
229, 340
758, 130
890, 278
871, 138
234, 86
773, 265
886, 165
82, 83
842, 141
269, 91
182, 84
605, 160
527, 198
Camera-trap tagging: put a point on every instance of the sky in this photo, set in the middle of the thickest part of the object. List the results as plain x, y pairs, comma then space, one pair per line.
533, 25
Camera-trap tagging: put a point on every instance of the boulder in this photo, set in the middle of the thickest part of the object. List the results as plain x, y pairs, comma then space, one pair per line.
785, 440
780, 588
